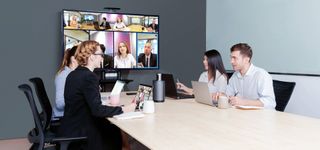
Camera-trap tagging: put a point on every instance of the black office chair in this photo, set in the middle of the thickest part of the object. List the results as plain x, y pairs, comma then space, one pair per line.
39, 135
282, 92
230, 73
51, 125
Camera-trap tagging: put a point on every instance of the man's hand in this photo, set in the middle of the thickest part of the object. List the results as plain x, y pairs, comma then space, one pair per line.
234, 100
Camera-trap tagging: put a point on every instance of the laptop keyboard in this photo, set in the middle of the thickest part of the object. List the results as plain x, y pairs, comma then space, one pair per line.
182, 95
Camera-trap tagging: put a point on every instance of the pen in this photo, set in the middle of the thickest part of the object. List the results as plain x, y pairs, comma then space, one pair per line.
178, 80
236, 94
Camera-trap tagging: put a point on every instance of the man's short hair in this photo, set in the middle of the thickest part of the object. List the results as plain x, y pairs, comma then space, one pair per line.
244, 49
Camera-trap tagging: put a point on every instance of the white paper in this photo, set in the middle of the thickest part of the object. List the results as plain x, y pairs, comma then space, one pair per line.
129, 115
117, 88
248, 107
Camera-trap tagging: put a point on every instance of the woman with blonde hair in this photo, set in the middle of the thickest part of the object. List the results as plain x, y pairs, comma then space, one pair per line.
68, 64
84, 113
124, 59
74, 22
119, 25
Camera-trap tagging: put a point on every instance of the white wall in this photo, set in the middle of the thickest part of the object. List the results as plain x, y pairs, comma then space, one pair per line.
304, 99
284, 34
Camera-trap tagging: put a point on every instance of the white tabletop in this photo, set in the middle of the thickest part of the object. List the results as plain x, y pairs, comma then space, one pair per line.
185, 124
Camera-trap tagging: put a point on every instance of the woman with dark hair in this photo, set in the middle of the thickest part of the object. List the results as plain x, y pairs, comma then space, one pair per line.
105, 24
84, 114
215, 74
68, 64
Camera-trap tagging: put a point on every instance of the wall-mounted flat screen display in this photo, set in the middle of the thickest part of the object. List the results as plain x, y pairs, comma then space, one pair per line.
129, 41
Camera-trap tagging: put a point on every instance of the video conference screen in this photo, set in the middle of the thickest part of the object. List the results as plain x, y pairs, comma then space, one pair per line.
129, 41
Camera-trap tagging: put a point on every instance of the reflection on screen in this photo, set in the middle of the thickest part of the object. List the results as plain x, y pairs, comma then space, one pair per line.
88, 17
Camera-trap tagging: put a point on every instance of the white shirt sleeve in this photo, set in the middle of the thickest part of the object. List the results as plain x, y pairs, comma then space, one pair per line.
265, 90
230, 89
60, 83
123, 25
203, 77
132, 60
115, 62
115, 26
221, 84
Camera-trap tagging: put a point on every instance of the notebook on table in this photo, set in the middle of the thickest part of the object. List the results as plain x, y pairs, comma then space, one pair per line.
171, 89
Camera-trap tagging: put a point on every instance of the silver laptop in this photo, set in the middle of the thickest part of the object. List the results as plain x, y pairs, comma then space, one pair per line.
201, 92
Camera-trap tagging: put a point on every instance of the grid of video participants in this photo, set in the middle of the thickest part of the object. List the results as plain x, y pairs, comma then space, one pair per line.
128, 41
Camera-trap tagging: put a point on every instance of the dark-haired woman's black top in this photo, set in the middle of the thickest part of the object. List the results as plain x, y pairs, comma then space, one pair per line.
84, 114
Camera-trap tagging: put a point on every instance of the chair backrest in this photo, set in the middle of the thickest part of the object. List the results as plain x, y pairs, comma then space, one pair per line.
230, 74
37, 134
282, 92
43, 99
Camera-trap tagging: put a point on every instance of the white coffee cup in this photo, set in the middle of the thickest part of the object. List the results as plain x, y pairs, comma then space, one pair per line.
223, 102
148, 106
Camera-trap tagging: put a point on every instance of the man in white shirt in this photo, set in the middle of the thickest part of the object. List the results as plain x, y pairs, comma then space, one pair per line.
249, 85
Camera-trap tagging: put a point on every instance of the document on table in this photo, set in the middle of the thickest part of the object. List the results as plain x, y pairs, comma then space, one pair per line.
248, 107
129, 115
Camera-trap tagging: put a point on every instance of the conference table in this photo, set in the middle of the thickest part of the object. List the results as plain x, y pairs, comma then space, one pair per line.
186, 124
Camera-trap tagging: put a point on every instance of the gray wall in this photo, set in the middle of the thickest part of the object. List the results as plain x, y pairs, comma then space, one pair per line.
30, 46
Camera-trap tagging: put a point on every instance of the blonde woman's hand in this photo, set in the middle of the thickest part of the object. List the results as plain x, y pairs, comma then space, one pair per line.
129, 108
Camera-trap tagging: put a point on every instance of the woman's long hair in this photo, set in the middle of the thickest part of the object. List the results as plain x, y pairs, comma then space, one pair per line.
215, 63
67, 58
126, 45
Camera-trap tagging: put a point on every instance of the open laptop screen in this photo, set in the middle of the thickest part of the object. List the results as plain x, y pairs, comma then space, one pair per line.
170, 89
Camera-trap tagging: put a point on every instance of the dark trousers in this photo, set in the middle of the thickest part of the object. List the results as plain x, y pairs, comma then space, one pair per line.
108, 138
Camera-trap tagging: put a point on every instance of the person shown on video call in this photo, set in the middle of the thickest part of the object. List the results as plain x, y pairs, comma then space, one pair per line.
96, 26
74, 22
104, 24
119, 25
107, 60
147, 59
68, 64
154, 26
84, 113
249, 85
124, 59
215, 74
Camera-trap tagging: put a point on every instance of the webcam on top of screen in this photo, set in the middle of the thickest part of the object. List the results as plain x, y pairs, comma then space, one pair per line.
112, 9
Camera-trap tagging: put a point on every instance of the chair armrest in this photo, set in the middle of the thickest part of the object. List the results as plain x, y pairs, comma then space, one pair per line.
62, 139
63, 143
